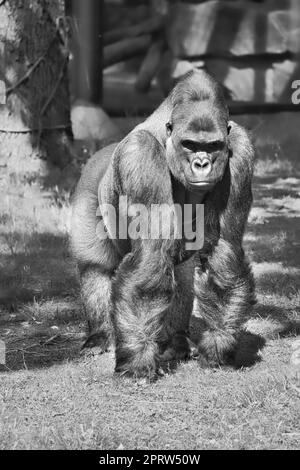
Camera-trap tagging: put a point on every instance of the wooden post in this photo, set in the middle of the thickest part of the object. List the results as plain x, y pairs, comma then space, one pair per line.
88, 49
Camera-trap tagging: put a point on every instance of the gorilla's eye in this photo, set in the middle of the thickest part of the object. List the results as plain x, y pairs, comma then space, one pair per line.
228, 129
190, 145
169, 128
216, 146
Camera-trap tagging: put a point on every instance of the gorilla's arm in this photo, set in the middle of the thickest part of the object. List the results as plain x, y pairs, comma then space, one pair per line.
143, 287
225, 289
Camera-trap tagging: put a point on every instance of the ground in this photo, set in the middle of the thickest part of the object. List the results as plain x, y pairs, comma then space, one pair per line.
51, 397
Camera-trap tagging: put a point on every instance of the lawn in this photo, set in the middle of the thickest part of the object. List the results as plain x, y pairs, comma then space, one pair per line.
51, 397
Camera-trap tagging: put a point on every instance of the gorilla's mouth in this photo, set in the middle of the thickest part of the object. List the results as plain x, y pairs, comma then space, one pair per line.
202, 184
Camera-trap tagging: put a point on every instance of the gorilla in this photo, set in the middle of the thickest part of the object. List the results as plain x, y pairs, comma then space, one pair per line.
140, 292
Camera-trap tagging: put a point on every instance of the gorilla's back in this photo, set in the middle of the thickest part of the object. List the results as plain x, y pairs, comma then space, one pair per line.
95, 168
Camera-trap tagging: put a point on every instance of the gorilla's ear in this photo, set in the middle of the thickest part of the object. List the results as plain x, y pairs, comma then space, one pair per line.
169, 129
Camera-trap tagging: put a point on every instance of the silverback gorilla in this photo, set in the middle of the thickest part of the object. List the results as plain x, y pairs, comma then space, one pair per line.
140, 292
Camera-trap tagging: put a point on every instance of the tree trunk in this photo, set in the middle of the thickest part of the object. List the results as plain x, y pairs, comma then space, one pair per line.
35, 120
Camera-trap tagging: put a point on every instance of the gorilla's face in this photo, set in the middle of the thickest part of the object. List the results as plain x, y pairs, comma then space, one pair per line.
197, 146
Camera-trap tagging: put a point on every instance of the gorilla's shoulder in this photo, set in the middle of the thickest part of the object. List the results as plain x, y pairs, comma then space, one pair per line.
139, 150
139, 143
139, 161
242, 146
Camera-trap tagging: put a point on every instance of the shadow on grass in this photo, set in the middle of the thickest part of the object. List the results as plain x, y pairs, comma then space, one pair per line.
40, 317
273, 322
267, 243
37, 354
282, 283
247, 349
39, 268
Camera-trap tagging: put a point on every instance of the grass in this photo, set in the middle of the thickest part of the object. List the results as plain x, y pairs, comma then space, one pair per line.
53, 398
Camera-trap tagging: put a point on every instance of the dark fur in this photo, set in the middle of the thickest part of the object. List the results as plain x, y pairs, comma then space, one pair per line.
142, 291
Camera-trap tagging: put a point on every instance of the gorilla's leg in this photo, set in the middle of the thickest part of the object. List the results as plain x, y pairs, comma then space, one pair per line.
175, 342
142, 292
225, 295
96, 297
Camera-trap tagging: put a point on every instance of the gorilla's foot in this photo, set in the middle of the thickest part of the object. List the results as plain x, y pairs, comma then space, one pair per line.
216, 348
100, 340
137, 364
180, 348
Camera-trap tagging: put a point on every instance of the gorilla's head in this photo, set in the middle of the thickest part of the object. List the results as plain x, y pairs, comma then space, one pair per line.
197, 145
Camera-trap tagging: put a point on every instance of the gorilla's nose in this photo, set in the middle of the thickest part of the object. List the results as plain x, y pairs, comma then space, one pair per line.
201, 166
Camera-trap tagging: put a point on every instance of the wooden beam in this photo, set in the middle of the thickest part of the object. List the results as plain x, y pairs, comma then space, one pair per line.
87, 70
146, 27
150, 65
125, 49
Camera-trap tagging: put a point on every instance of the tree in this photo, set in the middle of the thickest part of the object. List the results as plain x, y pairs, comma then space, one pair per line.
35, 120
